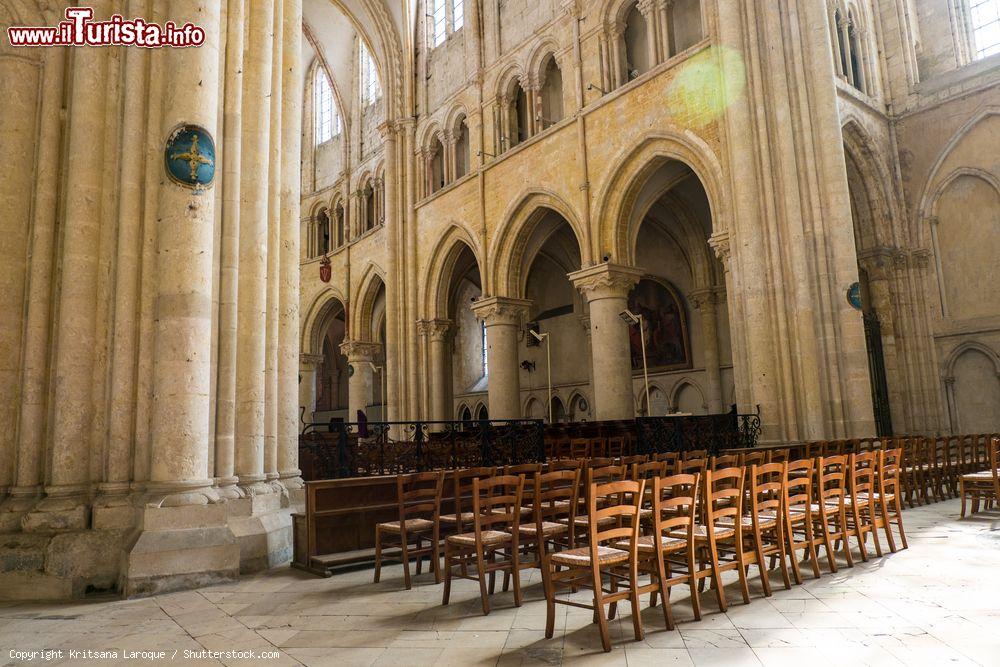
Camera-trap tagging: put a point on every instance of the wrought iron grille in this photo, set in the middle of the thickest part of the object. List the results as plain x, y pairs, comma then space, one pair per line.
712, 433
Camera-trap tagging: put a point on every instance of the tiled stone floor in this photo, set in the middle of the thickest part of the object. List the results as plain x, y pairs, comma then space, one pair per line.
937, 603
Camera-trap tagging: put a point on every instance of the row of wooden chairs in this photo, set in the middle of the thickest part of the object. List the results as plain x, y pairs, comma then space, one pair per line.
763, 512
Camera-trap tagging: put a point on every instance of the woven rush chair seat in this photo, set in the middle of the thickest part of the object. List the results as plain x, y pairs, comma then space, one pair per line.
584, 520
668, 544
489, 537
700, 532
412, 526
984, 475
452, 518
549, 528
874, 494
766, 520
581, 556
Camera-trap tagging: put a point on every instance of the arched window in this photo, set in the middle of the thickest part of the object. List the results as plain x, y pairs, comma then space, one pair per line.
518, 114
326, 116
437, 175
462, 149
552, 93
637, 46
985, 19
457, 14
323, 232
371, 91
438, 22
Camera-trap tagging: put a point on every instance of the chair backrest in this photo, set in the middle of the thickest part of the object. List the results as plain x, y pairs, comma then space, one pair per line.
890, 461
995, 455
798, 484
418, 494
777, 455
556, 496
724, 461
863, 470
669, 458
767, 487
464, 480
749, 459
565, 464
621, 501
497, 500
631, 460
561, 448
600, 462
648, 470
599, 447
831, 479
723, 500
579, 448
675, 502
616, 446
695, 454
526, 469
692, 466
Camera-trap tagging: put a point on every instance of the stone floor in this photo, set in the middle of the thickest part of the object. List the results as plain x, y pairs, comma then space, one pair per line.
937, 603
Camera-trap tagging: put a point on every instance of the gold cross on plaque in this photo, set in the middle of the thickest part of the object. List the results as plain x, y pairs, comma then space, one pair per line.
193, 157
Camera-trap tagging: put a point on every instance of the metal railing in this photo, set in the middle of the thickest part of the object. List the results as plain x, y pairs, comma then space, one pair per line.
361, 449
712, 433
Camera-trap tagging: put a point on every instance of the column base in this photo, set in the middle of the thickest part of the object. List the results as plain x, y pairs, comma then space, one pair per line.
114, 508
181, 493
227, 487
22, 499
64, 508
180, 547
255, 485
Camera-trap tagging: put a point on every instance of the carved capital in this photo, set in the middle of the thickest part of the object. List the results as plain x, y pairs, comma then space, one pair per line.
606, 281
497, 310
310, 359
358, 350
646, 8
922, 257
719, 242
386, 130
435, 330
703, 299
949, 381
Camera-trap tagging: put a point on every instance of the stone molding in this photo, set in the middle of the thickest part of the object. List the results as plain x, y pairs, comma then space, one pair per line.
498, 310
310, 359
606, 281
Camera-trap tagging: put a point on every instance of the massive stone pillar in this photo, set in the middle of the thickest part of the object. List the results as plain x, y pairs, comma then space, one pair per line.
503, 317
288, 324
437, 336
361, 358
606, 288
252, 293
705, 301
65, 506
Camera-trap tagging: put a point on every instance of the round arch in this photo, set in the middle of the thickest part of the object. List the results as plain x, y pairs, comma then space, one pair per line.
440, 271
967, 346
505, 276
633, 167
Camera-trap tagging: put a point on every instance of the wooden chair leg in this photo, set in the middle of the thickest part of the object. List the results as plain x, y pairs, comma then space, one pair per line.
602, 622
481, 570
634, 599
961, 492
378, 554
859, 532
515, 572
550, 598
447, 575
406, 561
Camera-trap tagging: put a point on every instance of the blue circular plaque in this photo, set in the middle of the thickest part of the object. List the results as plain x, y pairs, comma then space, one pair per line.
189, 157
854, 295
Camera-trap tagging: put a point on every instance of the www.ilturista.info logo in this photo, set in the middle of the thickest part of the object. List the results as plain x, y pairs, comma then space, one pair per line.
79, 29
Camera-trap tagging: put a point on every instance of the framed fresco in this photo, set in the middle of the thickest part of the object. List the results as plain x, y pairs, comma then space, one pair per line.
665, 322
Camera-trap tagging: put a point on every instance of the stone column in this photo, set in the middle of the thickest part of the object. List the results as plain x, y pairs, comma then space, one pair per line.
225, 408
308, 363
606, 288
184, 245
361, 388
503, 317
288, 325
75, 335
705, 301
664, 9
252, 293
437, 334
648, 10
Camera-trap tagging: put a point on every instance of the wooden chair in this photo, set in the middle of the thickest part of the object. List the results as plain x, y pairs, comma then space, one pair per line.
493, 545
797, 489
554, 510
564, 464
599, 448
592, 477
617, 446
647, 471
719, 534
693, 454
829, 513
601, 462
579, 448
668, 458
750, 459
692, 466
859, 502
668, 559
778, 455
724, 461
562, 448
983, 486
459, 521
588, 566
888, 497
419, 499
631, 460
766, 520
